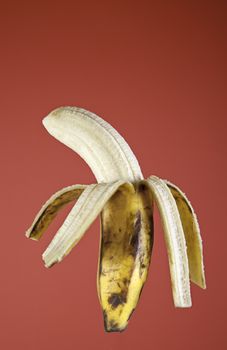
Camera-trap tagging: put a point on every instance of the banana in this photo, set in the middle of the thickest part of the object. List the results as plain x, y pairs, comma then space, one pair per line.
124, 200
127, 240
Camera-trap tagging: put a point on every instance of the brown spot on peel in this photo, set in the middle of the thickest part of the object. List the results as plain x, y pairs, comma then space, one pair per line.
135, 237
117, 299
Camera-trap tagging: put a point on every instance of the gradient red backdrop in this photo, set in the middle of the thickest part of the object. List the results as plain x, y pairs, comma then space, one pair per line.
156, 70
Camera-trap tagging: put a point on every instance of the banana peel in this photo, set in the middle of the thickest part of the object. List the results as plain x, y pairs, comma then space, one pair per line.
124, 200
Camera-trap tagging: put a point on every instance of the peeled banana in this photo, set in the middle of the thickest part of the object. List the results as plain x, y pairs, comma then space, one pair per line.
124, 201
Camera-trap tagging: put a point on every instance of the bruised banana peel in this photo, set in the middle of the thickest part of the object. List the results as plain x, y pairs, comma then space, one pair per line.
124, 201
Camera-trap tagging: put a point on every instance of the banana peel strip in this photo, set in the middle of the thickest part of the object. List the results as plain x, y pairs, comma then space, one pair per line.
192, 236
115, 165
50, 209
84, 212
175, 241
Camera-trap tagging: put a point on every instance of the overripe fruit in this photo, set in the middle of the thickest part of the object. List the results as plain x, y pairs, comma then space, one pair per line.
125, 201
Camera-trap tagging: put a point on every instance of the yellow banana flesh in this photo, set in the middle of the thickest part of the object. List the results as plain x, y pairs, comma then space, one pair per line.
126, 244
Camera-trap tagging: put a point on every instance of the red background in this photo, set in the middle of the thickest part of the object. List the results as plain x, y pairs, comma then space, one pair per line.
156, 71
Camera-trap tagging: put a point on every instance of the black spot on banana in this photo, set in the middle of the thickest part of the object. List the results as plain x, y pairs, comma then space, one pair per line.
124, 201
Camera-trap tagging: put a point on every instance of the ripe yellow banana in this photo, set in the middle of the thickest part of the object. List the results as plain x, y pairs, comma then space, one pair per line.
124, 201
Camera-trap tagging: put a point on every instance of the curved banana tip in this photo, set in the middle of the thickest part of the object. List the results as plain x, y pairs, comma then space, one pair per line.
49, 117
111, 326
52, 122
47, 121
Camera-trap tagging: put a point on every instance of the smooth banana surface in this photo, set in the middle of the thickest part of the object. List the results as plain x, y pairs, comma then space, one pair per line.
124, 201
